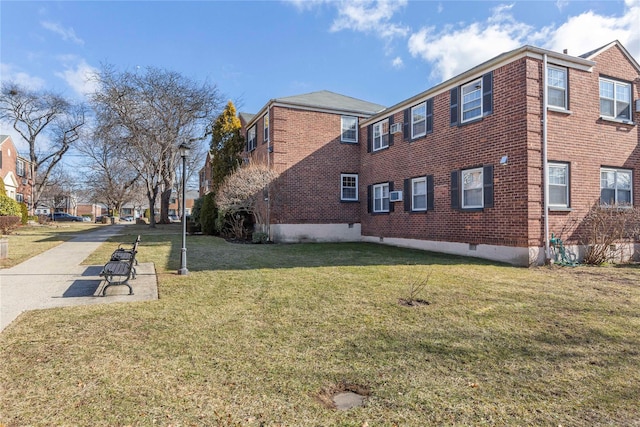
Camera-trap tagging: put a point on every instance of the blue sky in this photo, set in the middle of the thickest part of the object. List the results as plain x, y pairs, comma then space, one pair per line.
379, 51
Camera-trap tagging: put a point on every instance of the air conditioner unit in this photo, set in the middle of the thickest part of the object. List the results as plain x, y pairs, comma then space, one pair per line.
396, 128
395, 196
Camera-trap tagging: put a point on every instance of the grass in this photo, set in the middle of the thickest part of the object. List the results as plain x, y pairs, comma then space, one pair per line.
28, 241
256, 334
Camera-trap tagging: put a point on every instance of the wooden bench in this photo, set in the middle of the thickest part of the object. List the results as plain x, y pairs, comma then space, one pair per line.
124, 254
117, 273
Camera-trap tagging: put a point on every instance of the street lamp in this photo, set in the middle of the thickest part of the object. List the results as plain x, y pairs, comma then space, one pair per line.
184, 152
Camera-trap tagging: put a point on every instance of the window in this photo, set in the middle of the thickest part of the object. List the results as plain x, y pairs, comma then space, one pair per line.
20, 167
472, 100
381, 135
559, 185
349, 187
557, 87
19, 197
419, 120
251, 138
419, 194
615, 187
472, 186
266, 127
615, 99
381, 198
349, 129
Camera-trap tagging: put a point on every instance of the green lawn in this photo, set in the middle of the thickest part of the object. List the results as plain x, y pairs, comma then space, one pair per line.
260, 335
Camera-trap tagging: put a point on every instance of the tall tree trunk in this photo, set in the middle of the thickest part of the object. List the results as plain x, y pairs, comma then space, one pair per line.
152, 195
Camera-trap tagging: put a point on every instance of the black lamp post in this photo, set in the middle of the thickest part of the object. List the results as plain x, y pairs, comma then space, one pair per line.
184, 152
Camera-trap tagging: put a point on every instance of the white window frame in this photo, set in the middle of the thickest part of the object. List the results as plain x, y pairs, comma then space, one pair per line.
414, 194
476, 186
380, 193
616, 187
552, 86
253, 142
20, 167
470, 101
348, 124
379, 142
415, 120
565, 168
19, 197
265, 126
343, 187
616, 84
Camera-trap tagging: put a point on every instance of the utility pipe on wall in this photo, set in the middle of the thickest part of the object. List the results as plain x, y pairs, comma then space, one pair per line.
545, 165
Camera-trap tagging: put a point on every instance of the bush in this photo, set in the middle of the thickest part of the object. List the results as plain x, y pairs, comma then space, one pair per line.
196, 209
8, 223
25, 213
9, 207
208, 214
603, 227
260, 237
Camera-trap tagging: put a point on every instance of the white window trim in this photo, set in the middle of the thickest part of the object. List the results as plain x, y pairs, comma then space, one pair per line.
342, 129
252, 146
565, 166
616, 170
413, 123
413, 182
462, 175
266, 122
342, 187
566, 82
478, 85
380, 138
615, 100
373, 198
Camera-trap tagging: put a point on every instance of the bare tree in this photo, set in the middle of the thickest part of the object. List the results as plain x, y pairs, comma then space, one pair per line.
246, 190
149, 115
48, 123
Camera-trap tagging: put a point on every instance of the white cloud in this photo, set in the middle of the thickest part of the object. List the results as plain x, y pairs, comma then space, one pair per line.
561, 4
8, 73
370, 16
79, 75
397, 62
67, 34
453, 50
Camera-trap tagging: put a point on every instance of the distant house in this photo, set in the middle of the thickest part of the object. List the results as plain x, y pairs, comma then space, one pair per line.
312, 141
205, 176
15, 172
488, 163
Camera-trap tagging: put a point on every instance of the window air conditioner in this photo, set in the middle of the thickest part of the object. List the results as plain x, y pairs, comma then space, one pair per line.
395, 196
396, 128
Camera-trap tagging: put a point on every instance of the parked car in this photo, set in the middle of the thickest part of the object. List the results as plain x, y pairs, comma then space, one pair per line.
98, 219
63, 216
174, 218
127, 218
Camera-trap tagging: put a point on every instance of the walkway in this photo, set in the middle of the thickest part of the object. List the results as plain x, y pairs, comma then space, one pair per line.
55, 278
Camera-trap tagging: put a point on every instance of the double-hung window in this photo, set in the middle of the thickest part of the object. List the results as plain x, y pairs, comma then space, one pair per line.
20, 167
472, 186
419, 194
349, 126
349, 187
266, 127
472, 100
381, 135
419, 120
559, 185
381, 197
615, 187
251, 138
557, 87
19, 197
615, 99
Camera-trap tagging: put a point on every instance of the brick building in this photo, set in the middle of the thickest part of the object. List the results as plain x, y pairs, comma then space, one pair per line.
204, 176
15, 171
460, 168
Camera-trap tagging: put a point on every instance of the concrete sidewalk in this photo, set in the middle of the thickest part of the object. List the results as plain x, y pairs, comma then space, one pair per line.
55, 278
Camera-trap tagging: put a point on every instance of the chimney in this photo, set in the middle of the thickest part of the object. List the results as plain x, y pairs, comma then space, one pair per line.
565, 51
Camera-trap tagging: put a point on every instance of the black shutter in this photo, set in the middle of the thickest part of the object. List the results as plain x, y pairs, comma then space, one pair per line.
407, 195
369, 137
391, 204
487, 93
455, 190
247, 142
430, 115
405, 127
453, 106
369, 199
390, 135
487, 178
430, 193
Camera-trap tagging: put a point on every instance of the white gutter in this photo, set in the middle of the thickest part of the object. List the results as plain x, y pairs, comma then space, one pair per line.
545, 164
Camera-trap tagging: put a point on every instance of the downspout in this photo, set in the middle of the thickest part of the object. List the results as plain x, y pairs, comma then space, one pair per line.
545, 164
269, 185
